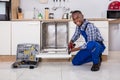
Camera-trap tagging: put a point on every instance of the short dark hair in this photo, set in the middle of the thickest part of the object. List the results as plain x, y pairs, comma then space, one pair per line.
76, 11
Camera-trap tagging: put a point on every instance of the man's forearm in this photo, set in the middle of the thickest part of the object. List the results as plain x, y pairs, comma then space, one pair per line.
75, 49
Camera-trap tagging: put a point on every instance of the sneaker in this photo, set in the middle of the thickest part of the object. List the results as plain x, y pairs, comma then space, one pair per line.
95, 67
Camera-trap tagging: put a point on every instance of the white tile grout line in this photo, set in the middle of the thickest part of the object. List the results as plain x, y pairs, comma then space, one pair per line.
20, 74
61, 72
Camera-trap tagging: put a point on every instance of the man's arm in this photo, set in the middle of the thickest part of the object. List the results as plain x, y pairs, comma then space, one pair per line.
74, 38
75, 49
76, 35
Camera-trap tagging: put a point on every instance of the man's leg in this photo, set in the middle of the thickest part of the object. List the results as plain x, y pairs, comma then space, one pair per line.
96, 50
83, 56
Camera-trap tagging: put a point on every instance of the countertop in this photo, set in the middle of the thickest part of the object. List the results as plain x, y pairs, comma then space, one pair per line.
60, 20
43, 20
115, 21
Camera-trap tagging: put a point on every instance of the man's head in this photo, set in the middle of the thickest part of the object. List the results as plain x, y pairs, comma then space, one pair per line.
77, 17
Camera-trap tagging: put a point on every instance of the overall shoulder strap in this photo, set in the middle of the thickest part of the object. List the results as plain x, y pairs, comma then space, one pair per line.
86, 26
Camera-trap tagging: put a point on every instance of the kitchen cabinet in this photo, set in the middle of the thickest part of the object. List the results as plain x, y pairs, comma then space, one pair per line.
25, 32
103, 27
5, 37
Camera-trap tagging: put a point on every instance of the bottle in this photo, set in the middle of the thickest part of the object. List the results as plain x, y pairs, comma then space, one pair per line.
40, 16
46, 13
20, 14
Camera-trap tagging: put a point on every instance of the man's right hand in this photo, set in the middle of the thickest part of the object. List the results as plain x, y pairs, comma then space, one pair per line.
70, 45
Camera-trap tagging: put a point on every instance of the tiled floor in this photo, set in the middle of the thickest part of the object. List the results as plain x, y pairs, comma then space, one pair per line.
110, 70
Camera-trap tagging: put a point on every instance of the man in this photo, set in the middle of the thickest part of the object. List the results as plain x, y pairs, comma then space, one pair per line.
93, 47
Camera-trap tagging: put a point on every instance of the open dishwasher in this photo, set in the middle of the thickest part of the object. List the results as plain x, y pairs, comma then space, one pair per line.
54, 40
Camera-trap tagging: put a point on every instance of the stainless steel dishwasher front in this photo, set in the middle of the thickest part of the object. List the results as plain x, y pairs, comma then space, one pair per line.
54, 37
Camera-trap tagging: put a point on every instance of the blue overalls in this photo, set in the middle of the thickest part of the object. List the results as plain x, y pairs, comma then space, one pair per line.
92, 52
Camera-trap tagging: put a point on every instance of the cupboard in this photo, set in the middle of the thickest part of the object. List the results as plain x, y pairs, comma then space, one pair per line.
25, 32
5, 38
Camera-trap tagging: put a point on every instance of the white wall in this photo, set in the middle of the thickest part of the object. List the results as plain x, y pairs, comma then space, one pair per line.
90, 8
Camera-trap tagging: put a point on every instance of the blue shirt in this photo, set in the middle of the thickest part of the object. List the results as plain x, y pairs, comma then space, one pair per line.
92, 32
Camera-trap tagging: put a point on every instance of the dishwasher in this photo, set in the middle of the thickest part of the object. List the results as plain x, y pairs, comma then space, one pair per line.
54, 40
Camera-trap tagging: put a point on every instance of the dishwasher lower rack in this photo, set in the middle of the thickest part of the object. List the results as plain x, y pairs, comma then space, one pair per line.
54, 53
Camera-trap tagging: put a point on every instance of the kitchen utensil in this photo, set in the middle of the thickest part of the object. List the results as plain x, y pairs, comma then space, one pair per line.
51, 15
54, 8
65, 16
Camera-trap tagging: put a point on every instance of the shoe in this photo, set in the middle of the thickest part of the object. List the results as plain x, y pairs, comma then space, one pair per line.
100, 59
95, 67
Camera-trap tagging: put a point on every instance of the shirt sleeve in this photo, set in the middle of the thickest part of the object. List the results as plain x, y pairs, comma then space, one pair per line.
76, 35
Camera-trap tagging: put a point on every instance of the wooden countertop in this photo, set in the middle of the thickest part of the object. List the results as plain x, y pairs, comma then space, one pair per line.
114, 21
43, 20
60, 20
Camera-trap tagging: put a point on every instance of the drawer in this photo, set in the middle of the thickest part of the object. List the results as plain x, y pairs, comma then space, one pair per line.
96, 23
107, 48
104, 32
72, 24
71, 32
100, 23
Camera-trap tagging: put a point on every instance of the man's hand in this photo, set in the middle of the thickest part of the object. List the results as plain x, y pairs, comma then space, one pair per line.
70, 45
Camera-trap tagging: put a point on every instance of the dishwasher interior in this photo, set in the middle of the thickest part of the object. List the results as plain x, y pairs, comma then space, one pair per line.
54, 37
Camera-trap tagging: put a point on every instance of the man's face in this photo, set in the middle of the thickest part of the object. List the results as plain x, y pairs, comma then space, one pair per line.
77, 19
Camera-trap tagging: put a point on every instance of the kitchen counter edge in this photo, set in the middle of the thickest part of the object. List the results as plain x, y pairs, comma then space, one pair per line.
60, 20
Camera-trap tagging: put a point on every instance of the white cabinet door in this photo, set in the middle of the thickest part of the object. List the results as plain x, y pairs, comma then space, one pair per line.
104, 30
25, 32
5, 37
72, 28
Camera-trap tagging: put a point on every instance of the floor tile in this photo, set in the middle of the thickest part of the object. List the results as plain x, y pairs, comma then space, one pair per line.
63, 71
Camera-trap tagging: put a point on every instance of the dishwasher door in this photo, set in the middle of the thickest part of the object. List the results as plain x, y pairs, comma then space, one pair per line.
54, 37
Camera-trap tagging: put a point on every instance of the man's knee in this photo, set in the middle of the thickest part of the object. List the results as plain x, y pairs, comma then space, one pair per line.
76, 63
